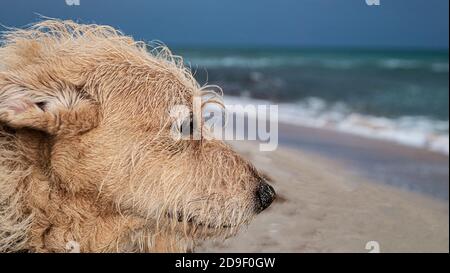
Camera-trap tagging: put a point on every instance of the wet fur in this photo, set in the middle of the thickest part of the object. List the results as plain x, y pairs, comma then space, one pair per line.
85, 151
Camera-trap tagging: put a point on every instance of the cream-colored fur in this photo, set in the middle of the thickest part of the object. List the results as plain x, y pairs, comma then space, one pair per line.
86, 154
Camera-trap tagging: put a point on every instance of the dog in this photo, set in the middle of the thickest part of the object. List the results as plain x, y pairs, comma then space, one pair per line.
87, 156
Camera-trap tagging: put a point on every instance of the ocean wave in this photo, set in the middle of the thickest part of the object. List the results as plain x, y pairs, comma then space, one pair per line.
400, 64
265, 62
330, 63
440, 67
405, 64
416, 131
246, 62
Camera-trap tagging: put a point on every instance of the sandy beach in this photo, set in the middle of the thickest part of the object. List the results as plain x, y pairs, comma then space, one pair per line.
324, 205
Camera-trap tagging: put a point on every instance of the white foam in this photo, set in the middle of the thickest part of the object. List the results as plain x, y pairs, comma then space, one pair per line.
413, 131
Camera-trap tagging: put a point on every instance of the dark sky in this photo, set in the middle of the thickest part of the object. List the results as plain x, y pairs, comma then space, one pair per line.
252, 23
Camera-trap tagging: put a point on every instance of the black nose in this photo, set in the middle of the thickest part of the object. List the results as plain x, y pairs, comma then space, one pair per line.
265, 195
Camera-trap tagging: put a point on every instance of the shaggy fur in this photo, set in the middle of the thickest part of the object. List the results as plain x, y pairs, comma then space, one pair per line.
86, 155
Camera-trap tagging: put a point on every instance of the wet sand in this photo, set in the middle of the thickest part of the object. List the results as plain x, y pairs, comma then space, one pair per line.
381, 161
329, 202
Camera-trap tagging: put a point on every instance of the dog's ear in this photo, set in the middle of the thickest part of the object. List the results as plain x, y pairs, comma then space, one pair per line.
60, 112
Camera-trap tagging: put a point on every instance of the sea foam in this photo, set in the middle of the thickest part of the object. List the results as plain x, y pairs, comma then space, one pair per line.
415, 131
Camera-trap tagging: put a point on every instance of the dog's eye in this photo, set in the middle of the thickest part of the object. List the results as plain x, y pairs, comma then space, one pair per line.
187, 127
41, 105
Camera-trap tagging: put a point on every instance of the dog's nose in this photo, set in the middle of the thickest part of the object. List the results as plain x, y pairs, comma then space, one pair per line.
265, 195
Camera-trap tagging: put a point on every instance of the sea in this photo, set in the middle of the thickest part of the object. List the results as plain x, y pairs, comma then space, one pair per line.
395, 95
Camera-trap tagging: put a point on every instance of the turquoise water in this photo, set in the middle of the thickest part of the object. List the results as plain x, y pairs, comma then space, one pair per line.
394, 95
381, 83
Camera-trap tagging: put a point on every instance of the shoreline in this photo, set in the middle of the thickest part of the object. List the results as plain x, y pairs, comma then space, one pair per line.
410, 131
323, 206
386, 162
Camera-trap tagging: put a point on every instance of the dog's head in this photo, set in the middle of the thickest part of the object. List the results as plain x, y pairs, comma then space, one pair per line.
94, 106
